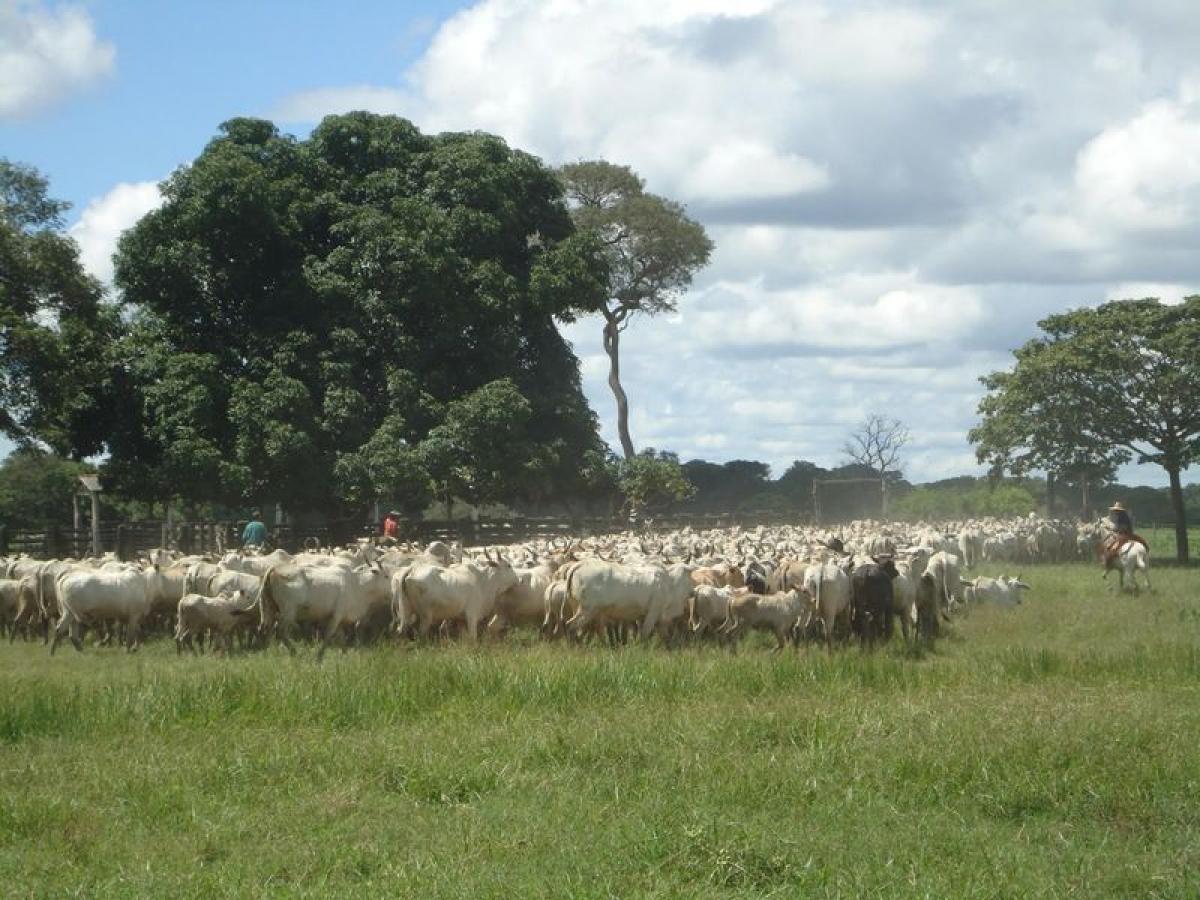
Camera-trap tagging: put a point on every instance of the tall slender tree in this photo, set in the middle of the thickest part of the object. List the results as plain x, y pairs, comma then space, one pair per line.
653, 251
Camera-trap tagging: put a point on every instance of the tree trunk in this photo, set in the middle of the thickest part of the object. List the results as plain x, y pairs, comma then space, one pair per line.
1085, 512
612, 346
883, 497
1181, 528
1050, 486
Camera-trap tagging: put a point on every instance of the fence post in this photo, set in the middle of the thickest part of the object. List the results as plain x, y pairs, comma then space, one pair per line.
123, 543
185, 538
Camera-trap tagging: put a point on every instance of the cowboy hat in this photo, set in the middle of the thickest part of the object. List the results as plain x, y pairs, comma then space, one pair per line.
1117, 506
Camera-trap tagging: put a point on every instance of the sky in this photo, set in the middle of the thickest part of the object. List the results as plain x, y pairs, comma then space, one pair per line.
897, 192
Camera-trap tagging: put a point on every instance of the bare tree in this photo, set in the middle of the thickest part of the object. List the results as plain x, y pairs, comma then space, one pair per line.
877, 444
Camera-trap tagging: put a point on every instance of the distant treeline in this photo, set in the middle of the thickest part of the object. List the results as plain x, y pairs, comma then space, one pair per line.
36, 490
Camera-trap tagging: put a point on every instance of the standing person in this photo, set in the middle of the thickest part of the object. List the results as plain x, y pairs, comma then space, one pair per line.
255, 532
391, 526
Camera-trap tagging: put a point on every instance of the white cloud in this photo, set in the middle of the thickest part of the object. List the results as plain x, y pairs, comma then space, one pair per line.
104, 219
740, 168
46, 53
1144, 174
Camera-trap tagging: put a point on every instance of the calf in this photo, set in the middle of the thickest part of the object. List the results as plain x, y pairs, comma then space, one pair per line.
777, 613
221, 615
709, 610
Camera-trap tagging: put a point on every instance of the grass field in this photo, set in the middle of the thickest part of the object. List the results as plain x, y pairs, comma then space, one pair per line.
1050, 750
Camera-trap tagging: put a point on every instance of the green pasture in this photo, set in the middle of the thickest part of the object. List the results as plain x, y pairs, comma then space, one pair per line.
1045, 751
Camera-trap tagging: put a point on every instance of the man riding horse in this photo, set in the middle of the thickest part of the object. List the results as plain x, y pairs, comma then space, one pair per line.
1121, 524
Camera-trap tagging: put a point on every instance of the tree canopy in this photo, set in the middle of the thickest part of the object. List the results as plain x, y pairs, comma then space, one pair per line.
1101, 386
306, 313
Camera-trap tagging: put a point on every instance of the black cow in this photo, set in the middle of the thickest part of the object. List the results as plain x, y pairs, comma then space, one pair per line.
871, 600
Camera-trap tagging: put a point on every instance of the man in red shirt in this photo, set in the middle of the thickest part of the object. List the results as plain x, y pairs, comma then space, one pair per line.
391, 525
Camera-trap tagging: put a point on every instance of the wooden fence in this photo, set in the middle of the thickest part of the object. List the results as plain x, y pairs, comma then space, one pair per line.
127, 539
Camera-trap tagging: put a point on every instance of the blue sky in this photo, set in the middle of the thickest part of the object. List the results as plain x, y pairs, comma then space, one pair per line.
183, 68
898, 191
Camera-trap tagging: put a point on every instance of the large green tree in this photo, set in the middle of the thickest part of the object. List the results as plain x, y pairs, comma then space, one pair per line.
1029, 422
307, 311
652, 249
56, 372
1100, 384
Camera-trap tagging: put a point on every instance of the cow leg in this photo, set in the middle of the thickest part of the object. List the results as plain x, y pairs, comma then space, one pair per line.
133, 635
284, 629
59, 631
327, 633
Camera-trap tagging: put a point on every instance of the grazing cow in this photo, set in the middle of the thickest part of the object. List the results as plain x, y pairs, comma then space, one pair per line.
1133, 557
88, 597
777, 613
221, 615
1002, 591
871, 599
827, 587
429, 594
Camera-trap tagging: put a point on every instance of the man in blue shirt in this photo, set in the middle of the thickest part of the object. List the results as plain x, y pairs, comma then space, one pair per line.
255, 532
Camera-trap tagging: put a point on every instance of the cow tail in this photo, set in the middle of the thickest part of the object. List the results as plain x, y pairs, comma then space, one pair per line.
265, 595
39, 592
400, 602
567, 595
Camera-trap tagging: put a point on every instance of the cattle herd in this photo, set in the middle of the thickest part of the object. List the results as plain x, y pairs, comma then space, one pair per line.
796, 582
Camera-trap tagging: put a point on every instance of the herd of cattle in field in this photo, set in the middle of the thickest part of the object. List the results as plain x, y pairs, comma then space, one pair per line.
795, 582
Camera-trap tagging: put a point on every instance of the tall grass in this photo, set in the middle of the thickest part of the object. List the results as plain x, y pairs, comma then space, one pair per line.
1046, 750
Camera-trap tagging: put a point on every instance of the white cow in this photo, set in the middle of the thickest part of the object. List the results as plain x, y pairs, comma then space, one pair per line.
221, 614
604, 593
255, 565
708, 610
18, 603
1002, 591
827, 587
970, 546
429, 594
525, 602
291, 595
777, 613
91, 596
943, 568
